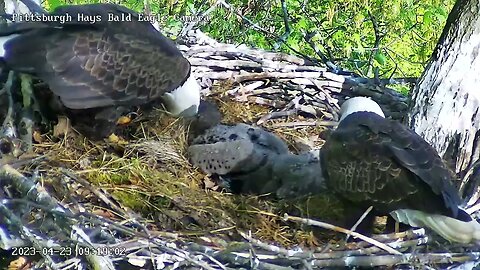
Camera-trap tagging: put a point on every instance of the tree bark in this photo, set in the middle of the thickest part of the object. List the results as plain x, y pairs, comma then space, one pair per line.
445, 102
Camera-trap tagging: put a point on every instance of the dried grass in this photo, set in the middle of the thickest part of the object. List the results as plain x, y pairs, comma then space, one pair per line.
151, 175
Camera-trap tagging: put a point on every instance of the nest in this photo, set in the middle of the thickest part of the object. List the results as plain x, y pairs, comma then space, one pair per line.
137, 202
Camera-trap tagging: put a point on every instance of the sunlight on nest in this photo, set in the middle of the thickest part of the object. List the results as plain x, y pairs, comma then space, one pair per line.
151, 174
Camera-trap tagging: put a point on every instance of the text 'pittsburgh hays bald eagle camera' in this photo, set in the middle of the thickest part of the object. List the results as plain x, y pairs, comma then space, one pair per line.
373, 161
104, 68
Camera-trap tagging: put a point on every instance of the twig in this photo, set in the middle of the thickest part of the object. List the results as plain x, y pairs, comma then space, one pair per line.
285, 252
342, 230
275, 115
378, 38
288, 31
26, 122
364, 248
95, 191
473, 209
277, 75
8, 127
391, 260
329, 97
192, 24
406, 234
305, 124
354, 227
329, 63
255, 25
16, 222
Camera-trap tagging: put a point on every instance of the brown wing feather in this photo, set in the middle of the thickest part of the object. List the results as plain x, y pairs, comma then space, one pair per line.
361, 165
126, 63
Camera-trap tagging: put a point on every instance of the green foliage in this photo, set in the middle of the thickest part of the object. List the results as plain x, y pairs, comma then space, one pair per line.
346, 32
52, 4
400, 88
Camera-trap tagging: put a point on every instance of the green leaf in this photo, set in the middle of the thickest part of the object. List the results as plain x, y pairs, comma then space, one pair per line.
348, 49
53, 4
440, 17
360, 49
358, 19
441, 14
356, 38
442, 11
427, 17
294, 44
302, 23
192, 8
380, 58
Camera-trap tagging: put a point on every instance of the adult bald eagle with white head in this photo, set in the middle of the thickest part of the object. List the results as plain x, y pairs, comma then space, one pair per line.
104, 67
373, 161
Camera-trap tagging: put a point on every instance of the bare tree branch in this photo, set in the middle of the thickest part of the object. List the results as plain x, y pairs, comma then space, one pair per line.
283, 38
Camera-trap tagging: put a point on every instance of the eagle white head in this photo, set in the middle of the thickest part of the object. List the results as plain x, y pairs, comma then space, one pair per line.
359, 104
184, 101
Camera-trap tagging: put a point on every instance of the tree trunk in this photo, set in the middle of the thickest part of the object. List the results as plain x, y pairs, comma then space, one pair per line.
445, 102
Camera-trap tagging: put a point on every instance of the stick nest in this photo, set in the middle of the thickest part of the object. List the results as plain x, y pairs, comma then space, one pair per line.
136, 201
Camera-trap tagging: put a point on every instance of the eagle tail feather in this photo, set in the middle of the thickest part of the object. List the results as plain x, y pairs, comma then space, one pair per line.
449, 228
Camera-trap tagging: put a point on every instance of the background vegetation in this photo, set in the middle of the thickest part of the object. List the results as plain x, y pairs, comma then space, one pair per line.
389, 38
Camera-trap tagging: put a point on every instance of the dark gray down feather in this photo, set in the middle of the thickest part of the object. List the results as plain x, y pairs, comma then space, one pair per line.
252, 160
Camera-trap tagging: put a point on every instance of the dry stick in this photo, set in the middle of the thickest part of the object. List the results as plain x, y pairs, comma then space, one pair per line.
473, 209
255, 261
245, 88
390, 260
256, 26
277, 75
354, 227
255, 55
283, 251
330, 82
22, 161
283, 38
226, 64
8, 127
274, 115
215, 261
103, 221
34, 239
92, 218
342, 230
182, 254
396, 239
406, 234
41, 199
96, 192
330, 99
305, 124
192, 24
360, 251
264, 101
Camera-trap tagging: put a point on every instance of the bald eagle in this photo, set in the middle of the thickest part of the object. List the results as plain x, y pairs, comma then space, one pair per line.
373, 161
99, 66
